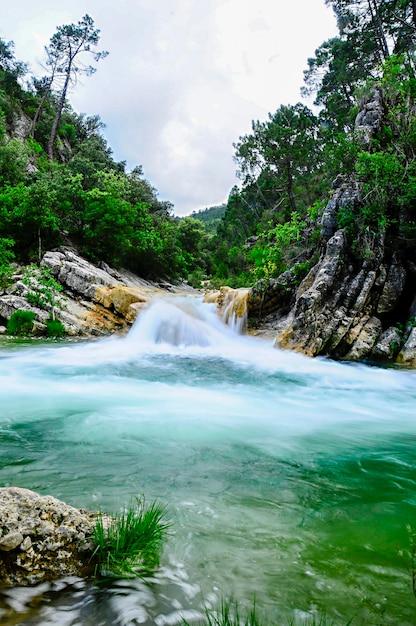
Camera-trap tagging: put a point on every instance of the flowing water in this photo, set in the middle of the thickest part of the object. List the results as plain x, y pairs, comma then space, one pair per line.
289, 480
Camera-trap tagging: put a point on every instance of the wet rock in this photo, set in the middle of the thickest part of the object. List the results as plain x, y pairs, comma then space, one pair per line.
120, 298
407, 355
43, 538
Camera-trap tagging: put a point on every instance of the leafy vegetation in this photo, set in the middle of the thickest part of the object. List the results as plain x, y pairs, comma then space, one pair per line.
21, 323
60, 183
129, 543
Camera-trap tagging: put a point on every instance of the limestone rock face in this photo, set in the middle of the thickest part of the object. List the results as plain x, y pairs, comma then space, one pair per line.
388, 344
77, 274
369, 119
407, 355
354, 300
273, 297
97, 300
393, 286
42, 538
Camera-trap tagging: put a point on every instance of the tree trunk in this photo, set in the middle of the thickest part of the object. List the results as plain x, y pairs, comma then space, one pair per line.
40, 108
39, 244
289, 188
378, 27
413, 4
55, 124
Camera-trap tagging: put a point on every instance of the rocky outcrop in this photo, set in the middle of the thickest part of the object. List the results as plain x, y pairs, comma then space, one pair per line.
344, 311
353, 304
97, 300
42, 538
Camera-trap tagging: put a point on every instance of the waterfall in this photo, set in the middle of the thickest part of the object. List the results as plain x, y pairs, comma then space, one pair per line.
274, 466
181, 321
232, 305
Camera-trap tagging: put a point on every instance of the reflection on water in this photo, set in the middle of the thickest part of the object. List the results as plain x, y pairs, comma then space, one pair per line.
288, 479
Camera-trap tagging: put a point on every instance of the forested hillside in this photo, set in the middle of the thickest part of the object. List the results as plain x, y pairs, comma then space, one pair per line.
59, 183
288, 163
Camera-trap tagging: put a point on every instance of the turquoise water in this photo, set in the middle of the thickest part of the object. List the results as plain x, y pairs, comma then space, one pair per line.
287, 479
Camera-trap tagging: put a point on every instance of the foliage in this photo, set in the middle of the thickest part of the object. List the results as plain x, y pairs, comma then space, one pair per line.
21, 322
271, 255
42, 289
287, 147
68, 45
6, 258
55, 328
130, 544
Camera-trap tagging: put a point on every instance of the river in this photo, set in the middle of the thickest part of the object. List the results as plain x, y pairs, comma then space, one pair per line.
288, 480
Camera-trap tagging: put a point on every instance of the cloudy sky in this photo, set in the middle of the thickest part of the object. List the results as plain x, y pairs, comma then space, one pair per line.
183, 80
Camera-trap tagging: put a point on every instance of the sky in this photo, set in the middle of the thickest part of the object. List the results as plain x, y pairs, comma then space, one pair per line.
184, 79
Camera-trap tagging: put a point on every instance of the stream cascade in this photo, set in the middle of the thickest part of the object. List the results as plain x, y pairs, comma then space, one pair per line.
287, 479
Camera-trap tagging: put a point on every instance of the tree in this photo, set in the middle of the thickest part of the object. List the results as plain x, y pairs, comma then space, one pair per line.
287, 146
44, 85
8, 62
68, 45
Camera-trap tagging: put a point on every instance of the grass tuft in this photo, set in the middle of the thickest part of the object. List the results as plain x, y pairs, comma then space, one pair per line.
129, 544
230, 614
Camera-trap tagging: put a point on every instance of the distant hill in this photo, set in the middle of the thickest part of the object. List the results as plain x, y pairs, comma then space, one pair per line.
210, 216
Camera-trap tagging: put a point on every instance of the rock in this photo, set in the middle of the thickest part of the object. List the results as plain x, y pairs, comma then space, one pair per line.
274, 296
393, 286
119, 299
346, 194
388, 344
77, 274
369, 119
97, 301
308, 327
43, 538
10, 541
365, 339
407, 355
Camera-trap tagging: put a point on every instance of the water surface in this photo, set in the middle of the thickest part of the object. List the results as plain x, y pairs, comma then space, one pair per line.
287, 479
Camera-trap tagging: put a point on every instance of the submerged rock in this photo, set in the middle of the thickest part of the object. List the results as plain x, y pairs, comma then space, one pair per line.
42, 538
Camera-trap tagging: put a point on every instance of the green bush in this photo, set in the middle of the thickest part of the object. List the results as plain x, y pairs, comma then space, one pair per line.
21, 323
130, 544
55, 328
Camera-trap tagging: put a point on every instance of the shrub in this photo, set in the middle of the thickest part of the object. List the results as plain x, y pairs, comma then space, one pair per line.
55, 328
42, 289
21, 323
131, 543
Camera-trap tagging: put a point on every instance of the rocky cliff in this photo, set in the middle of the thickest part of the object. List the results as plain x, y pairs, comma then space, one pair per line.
97, 300
349, 306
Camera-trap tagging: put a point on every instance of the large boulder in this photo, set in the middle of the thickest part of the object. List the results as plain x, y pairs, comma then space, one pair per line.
96, 300
42, 538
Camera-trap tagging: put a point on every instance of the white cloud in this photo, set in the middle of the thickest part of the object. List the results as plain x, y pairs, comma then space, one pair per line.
184, 78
